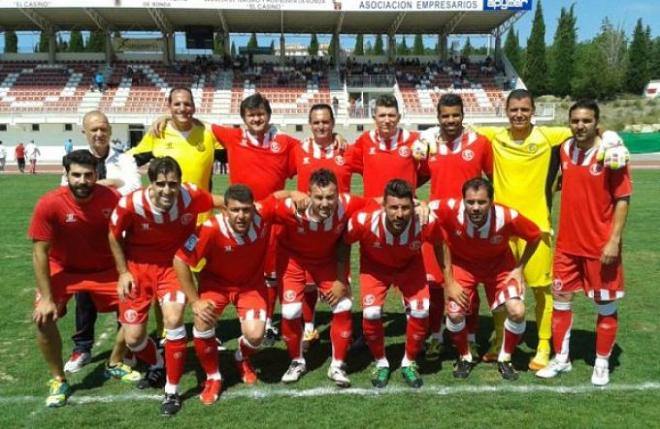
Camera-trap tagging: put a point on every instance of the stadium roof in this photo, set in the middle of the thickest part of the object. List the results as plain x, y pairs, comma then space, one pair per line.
416, 19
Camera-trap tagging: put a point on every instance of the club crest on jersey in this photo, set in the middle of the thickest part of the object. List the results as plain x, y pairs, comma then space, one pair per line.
496, 239
289, 295
275, 147
596, 169
339, 160
70, 218
404, 151
301, 230
532, 148
415, 245
376, 244
369, 299
191, 242
228, 249
187, 218
372, 151
145, 226
306, 160
130, 315
106, 213
557, 284
467, 154
458, 233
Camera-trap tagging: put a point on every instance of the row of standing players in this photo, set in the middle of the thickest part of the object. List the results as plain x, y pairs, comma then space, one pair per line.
262, 158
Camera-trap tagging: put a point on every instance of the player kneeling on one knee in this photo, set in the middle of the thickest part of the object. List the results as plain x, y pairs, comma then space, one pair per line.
475, 233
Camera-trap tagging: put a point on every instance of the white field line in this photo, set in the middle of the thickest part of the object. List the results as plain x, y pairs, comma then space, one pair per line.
266, 393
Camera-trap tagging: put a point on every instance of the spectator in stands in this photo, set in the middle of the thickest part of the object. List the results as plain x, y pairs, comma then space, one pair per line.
99, 80
335, 105
33, 153
19, 153
68, 146
3, 158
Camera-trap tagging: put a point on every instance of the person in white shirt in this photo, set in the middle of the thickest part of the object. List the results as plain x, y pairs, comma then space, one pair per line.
3, 158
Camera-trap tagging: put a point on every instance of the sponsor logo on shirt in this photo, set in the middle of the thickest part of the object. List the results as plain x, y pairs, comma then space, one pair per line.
468, 154
70, 218
228, 249
306, 160
404, 152
372, 151
145, 226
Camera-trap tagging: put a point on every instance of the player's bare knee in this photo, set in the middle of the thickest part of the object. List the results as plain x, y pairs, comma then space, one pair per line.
292, 310
134, 335
373, 312
516, 310
455, 319
201, 325
419, 308
344, 304
172, 316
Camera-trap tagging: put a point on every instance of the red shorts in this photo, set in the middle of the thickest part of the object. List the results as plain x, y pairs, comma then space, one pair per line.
102, 287
497, 292
434, 275
296, 274
250, 301
375, 280
151, 280
600, 282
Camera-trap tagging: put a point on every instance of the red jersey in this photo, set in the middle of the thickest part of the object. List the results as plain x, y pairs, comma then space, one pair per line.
470, 155
231, 259
153, 236
588, 197
378, 245
77, 231
263, 167
20, 151
309, 156
380, 161
310, 239
470, 245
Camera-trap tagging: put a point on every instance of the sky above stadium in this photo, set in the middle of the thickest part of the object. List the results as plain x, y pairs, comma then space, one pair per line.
590, 15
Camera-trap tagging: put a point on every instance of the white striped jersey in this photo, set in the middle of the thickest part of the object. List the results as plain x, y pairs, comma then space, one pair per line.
152, 235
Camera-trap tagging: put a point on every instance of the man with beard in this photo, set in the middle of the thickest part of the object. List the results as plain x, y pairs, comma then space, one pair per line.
69, 231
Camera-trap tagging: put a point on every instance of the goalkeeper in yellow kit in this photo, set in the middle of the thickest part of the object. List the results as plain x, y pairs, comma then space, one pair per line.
526, 163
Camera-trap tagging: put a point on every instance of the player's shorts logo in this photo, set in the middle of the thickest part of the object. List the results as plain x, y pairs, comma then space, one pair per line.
339, 160
453, 307
532, 148
468, 154
187, 218
415, 245
289, 295
596, 169
130, 315
496, 239
404, 151
369, 299
557, 284
275, 147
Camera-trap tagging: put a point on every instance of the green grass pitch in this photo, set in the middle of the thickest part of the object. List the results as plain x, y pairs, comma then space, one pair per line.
484, 400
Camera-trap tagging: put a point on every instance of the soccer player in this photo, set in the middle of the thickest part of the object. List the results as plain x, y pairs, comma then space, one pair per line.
594, 208
190, 143
461, 155
525, 166
309, 245
321, 150
476, 234
390, 238
234, 245
147, 228
116, 170
384, 153
70, 254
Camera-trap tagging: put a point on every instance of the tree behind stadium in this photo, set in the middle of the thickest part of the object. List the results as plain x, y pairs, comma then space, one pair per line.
11, 42
359, 45
512, 50
638, 72
562, 66
536, 67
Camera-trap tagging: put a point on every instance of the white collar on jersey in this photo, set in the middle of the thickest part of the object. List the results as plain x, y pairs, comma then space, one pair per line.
309, 145
268, 137
573, 151
393, 142
403, 238
470, 227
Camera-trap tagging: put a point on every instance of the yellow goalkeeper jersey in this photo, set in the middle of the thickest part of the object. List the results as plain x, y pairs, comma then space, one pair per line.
524, 172
193, 150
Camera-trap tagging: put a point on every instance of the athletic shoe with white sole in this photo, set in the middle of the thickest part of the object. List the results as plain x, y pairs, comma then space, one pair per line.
554, 368
600, 376
58, 393
294, 372
76, 361
339, 376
